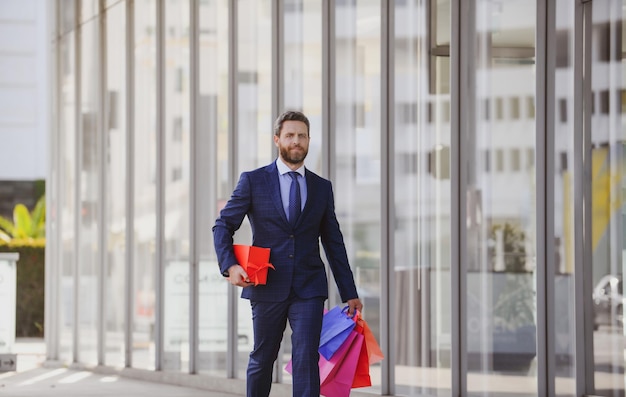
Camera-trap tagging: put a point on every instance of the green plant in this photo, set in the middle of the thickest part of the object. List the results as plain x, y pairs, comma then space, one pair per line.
514, 306
30, 291
26, 224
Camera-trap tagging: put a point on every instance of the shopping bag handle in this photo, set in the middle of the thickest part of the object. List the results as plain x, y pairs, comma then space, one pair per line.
355, 316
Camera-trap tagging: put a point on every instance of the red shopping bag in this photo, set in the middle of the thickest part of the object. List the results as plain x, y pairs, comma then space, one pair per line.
339, 383
370, 353
362, 371
254, 260
336, 326
374, 353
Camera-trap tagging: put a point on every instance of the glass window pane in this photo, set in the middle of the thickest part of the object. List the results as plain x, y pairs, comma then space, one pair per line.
88, 9
144, 236
67, 15
67, 193
214, 189
564, 216
608, 181
302, 76
254, 126
501, 300
421, 293
357, 166
176, 187
116, 183
254, 90
303, 69
88, 254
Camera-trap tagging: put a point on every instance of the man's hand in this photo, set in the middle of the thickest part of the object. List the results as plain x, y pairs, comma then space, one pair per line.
354, 305
237, 276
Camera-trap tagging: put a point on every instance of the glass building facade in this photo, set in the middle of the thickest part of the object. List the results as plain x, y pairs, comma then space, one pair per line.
476, 151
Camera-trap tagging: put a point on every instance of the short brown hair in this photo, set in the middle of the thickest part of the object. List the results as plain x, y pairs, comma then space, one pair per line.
290, 115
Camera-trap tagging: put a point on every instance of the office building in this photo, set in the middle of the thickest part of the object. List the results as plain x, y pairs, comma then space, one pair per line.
476, 154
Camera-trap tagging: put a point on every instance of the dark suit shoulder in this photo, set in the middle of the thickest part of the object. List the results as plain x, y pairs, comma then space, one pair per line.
316, 178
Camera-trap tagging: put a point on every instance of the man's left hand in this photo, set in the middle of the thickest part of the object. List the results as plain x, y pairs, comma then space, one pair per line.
354, 305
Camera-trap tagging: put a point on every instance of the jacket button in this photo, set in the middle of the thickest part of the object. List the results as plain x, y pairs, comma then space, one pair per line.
291, 236
291, 256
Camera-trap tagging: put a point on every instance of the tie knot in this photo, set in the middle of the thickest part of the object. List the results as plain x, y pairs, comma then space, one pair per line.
293, 175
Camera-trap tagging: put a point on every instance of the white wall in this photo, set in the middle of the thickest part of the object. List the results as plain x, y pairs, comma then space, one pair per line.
24, 88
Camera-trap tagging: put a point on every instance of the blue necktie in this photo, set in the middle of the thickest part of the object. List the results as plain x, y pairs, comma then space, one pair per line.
295, 202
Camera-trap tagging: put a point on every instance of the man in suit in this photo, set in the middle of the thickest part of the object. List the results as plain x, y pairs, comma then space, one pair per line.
297, 288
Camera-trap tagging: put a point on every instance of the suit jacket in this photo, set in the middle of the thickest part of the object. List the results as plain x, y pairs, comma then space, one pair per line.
294, 251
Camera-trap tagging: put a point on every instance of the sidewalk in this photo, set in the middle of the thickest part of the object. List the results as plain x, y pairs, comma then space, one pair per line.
32, 379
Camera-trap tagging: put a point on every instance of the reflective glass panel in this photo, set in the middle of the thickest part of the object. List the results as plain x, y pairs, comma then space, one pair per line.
213, 185
116, 183
176, 187
608, 184
144, 186
564, 216
254, 126
67, 194
357, 141
500, 300
303, 69
303, 87
90, 203
421, 162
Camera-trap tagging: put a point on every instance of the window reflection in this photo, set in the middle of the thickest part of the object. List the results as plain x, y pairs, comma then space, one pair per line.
303, 88
357, 141
422, 199
67, 201
88, 253
213, 185
254, 126
564, 215
144, 237
608, 208
116, 182
501, 299
303, 69
176, 181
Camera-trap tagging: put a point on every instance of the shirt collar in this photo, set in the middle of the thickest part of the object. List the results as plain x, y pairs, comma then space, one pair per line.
283, 169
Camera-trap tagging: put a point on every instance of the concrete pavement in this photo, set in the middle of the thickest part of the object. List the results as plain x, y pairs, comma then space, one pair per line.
33, 380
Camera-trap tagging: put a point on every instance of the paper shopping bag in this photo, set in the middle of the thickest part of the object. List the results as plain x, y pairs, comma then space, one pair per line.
255, 261
336, 326
374, 353
329, 367
339, 383
362, 372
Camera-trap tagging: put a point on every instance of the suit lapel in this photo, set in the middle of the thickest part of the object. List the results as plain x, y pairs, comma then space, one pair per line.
272, 181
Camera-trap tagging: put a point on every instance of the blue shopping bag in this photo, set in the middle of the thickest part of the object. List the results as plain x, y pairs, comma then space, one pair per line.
336, 327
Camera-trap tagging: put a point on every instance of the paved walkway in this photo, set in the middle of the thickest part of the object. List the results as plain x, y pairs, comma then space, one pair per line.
32, 380
63, 382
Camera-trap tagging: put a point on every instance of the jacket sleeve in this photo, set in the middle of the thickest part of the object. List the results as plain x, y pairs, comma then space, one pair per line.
335, 249
229, 221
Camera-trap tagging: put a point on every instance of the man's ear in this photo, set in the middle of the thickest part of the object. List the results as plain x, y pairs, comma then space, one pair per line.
276, 138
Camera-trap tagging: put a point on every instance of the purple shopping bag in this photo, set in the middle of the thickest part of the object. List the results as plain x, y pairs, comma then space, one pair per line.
336, 327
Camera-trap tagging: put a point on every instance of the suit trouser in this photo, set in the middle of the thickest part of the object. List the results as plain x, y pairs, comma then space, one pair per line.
269, 320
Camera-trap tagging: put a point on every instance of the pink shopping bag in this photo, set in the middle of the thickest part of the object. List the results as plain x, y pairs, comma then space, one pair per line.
339, 383
329, 367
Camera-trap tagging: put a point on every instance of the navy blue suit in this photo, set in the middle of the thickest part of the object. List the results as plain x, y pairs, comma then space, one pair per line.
298, 286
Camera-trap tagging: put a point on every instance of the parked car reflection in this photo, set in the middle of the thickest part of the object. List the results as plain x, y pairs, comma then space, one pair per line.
608, 301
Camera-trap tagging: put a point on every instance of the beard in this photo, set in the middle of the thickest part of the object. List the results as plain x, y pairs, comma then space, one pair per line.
292, 156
